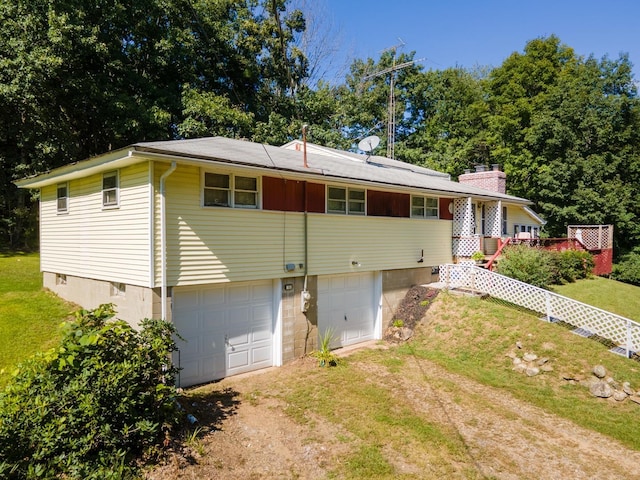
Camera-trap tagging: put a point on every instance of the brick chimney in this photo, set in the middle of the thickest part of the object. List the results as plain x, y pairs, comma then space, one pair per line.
494, 179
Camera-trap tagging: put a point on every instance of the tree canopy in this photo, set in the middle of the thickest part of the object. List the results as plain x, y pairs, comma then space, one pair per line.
81, 78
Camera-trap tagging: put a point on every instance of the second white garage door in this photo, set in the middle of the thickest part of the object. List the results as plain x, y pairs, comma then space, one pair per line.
227, 329
346, 304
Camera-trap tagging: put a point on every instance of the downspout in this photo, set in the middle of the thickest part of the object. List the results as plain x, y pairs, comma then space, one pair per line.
163, 241
306, 296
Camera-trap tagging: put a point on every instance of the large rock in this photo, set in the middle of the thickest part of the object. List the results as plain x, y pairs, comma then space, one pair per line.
599, 371
601, 389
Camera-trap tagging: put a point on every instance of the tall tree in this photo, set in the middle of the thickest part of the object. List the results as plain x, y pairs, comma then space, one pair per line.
80, 78
448, 114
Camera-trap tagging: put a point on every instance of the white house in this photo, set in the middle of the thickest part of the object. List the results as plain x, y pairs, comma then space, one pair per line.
251, 250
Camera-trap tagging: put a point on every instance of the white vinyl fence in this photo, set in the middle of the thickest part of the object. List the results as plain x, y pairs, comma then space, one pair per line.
620, 330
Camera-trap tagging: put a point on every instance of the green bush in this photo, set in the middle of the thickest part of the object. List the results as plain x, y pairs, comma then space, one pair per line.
543, 268
627, 269
530, 265
91, 407
571, 265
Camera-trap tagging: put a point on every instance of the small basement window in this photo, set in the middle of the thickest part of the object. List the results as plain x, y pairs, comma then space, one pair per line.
61, 279
110, 186
424, 207
118, 289
62, 204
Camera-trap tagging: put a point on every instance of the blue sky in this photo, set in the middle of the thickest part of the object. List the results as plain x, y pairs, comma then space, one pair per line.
469, 33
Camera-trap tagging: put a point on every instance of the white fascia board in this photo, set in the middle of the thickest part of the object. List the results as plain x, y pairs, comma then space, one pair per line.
535, 216
109, 161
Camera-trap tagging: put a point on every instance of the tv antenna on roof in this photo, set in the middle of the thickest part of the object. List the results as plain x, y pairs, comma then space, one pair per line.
369, 144
391, 115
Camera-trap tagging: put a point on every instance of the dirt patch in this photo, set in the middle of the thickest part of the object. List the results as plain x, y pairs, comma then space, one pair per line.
248, 430
409, 313
250, 433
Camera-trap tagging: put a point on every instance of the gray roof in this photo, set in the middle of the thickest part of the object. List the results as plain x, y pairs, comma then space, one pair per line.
378, 170
330, 165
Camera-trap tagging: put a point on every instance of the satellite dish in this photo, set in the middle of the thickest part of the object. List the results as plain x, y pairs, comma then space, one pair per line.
368, 144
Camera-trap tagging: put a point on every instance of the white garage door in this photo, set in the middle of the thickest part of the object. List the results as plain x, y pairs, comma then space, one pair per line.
346, 305
227, 329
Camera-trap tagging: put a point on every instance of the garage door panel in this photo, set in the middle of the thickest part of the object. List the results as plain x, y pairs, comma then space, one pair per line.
228, 329
238, 360
346, 305
261, 355
212, 296
239, 294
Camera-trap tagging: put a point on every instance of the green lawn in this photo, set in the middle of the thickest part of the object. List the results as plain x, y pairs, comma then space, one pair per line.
29, 315
610, 295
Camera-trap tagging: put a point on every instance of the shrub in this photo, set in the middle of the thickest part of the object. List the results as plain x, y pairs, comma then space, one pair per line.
572, 265
628, 269
530, 265
92, 406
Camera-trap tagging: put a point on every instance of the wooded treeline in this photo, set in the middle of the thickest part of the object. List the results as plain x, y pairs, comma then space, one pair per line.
80, 78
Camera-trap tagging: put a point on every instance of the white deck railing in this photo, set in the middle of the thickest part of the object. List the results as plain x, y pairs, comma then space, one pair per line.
620, 330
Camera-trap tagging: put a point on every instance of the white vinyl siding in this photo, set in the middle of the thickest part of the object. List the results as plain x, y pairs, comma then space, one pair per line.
98, 243
518, 216
374, 242
208, 245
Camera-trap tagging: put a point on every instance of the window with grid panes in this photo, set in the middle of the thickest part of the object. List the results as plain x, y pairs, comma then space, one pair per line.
424, 207
110, 189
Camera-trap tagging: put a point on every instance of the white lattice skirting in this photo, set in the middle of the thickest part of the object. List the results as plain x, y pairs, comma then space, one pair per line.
620, 330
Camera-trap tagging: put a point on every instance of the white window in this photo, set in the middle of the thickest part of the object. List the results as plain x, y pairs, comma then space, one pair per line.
110, 184
245, 194
424, 207
336, 200
346, 200
221, 190
63, 198
356, 202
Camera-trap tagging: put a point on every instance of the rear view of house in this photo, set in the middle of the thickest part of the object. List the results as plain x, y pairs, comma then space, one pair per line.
252, 252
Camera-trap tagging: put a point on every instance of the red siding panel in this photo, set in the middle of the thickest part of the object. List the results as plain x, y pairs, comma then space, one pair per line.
445, 214
288, 195
315, 198
388, 204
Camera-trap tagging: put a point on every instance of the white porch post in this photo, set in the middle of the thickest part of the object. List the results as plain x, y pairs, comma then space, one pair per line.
464, 243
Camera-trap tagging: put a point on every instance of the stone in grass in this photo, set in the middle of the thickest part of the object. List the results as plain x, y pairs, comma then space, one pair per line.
530, 357
619, 396
599, 371
626, 388
532, 371
601, 389
546, 368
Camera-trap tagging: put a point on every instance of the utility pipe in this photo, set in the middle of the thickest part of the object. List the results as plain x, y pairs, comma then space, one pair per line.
163, 240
